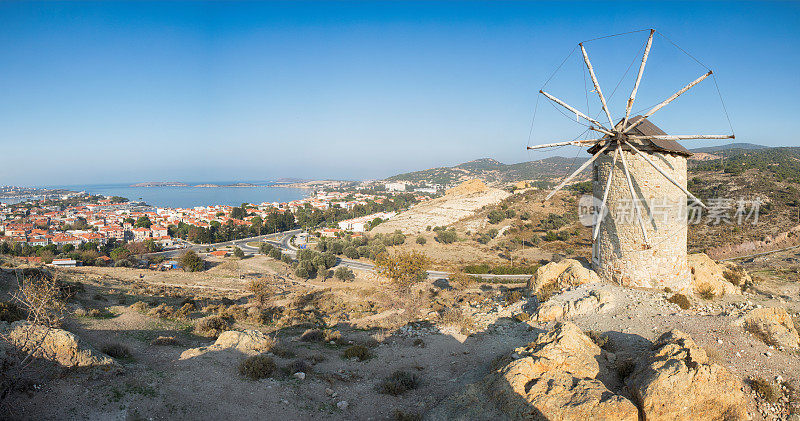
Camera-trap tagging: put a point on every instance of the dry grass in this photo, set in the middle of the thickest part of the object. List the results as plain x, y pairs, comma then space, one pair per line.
511, 296
522, 317
164, 341
398, 383
140, 306
162, 311
257, 367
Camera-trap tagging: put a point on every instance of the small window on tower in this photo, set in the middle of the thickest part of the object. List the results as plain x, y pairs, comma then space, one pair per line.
595, 174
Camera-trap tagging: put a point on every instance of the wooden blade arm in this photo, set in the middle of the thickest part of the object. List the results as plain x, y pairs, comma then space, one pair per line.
596, 85
668, 100
581, 168
684, 137
586, 142
629, 105
678, 185
573, 110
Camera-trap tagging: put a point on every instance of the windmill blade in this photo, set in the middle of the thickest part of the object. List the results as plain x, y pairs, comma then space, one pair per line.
668, 100
605, 194
581, 168
585, 142
604, 131
683, 189
635, 201
596, 85
573, 110
638, 78
685, 137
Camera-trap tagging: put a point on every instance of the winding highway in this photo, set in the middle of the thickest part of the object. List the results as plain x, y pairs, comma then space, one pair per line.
283, 241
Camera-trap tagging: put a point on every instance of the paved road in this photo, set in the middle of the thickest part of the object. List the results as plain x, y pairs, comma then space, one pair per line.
283, 240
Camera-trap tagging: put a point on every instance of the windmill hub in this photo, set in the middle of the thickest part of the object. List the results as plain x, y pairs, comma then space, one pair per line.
639, 177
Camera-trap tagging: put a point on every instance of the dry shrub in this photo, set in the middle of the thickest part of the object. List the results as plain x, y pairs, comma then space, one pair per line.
312, 335
522, 317
236, 312
297, 366
183, 312
706, 292
213, 308
454, 317
263, 292
398, 383
42, 297
462, 280
139, 306
117, 350
546, 291
359, 352
164, 341
162, 311
624, 367
400, 415
419, 343
282, 351
734, 275
681, 300
333, 336
764, 388
511, 296
211, 326
257, 367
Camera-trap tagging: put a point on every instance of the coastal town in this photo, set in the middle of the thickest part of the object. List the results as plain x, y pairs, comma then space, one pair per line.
42, 229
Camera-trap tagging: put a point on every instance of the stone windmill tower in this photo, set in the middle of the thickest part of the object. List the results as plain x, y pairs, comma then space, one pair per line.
639, 188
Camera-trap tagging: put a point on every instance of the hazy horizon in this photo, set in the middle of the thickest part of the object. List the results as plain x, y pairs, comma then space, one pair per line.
131, 92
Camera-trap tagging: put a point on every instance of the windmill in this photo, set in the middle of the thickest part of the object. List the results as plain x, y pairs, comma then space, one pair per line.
639, 187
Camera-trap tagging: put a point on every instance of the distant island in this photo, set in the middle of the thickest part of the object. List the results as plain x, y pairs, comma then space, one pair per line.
181, 184
228, 185
160, 184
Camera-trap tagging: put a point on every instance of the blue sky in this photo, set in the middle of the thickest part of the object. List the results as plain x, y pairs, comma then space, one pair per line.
118, 92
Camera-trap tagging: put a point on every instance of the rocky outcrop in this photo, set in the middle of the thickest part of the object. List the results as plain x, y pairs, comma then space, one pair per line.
564, 375
679, 383
555, 276
57, 345
708, 276
246, 341
774, 326
575, 303
551, 378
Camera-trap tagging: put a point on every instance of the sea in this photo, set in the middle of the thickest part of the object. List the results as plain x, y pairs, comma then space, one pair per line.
190, 196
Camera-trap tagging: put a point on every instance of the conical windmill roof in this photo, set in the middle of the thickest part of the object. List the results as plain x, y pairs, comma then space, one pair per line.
647, 128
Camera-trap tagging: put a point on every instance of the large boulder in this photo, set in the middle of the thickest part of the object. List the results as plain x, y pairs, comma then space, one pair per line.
246, 341
554, 378
677, 382
708, 276
575, 303
774, 325
57, 345
555, 276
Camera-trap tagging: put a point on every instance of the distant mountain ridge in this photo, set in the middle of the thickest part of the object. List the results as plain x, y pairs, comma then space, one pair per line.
495, 172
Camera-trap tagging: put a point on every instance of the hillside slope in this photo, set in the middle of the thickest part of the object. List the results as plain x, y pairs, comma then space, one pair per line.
459, 202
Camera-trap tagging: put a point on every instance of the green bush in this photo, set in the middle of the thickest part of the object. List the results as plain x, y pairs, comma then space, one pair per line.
446, 236
421, 240
345, 274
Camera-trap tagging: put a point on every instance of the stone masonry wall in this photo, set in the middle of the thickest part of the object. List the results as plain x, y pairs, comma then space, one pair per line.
620, 253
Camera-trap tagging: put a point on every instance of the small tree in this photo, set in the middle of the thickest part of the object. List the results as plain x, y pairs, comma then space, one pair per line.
403, 268
345, 274
191, 262
421, 240
238, 253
